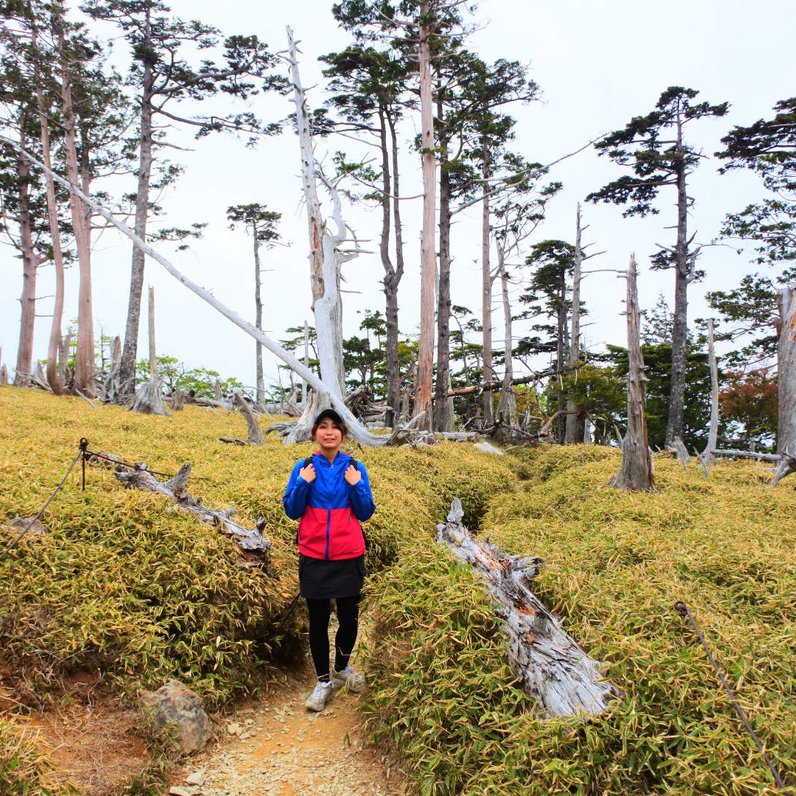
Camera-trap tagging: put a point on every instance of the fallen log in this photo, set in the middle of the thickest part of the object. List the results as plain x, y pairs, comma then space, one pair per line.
553, 668
763, 457
250, 540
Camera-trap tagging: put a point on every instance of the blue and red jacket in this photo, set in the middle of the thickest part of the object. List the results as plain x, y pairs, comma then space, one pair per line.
329, 509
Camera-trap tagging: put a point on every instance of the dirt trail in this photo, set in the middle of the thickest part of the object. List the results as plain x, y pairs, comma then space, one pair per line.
275, 747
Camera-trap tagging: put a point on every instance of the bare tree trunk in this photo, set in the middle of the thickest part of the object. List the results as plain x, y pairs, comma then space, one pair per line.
391, 282
486, 299
306, 361
53, 375
443, 406
786, 377
129, 352
153, 357
390, 291
113, 387
635, 472
64, 353
713, 431
84, 360
24, 367
674, 427
149, 396
548, 662
507, 405
425, 357
325, 260
571, 432
258, 320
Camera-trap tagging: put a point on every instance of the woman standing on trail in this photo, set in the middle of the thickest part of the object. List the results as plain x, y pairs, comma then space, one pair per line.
329, 493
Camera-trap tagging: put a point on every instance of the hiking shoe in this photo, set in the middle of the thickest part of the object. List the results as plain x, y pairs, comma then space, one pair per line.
320, 695
350, 677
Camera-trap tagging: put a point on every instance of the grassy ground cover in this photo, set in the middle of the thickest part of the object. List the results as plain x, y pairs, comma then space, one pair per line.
128, 587
616, 564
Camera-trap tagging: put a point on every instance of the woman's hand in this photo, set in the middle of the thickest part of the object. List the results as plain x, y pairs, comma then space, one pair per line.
308, 473
352, 475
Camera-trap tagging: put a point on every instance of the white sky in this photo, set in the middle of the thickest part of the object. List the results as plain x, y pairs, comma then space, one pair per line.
598, 63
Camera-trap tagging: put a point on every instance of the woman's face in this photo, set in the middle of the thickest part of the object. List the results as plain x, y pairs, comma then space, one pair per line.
328, 435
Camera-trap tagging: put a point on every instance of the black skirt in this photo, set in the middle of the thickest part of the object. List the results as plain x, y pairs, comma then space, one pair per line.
326, 580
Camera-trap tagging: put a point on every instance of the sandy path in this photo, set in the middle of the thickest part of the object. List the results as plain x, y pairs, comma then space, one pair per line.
275, 747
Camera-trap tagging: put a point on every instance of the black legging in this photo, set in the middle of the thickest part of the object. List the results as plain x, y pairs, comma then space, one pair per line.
348, 616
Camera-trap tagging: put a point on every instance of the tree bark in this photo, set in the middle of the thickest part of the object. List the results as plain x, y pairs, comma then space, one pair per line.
325, 259
786, 378
24, 368
53, 374
391, 283
507, 405
153, 354
674, 427
635, 472
573, 413
130, 349
84, 359
443, 406
486, 297
713, 431
554, 670
258, 319
425, 358
249, 539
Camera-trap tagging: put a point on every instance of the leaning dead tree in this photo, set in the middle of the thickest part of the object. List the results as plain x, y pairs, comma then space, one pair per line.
357, 430
553, 668
786, 378
250, 540
635, 472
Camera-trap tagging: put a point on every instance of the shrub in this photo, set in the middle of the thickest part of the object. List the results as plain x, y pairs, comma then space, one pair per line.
616, 563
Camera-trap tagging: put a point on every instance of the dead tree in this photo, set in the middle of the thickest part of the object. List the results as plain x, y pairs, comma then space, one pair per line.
706, 457
250, 540
571, 428
786, 377
149, 396
254, 435
326, 258
428, 269
554, 670
635, 472
358, 431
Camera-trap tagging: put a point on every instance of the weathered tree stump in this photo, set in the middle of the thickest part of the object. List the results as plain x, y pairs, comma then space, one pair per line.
553, 668
249, 539
680, 452
149, 399
255, 437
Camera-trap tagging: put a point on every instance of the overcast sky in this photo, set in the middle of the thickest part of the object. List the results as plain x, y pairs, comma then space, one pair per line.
598, 63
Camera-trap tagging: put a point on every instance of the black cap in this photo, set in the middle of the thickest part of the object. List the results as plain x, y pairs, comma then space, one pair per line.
328, 414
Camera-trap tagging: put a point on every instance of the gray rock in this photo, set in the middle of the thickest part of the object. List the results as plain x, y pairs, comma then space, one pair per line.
197, 778
174, 704
487, 447
30, 525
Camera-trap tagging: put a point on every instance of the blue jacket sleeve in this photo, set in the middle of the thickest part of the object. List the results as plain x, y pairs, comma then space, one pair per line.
296, 494
360, 495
